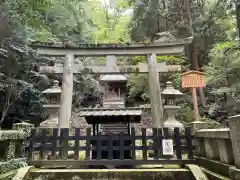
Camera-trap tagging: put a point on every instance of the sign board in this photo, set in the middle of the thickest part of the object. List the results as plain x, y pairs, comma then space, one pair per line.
193, 79
167, 145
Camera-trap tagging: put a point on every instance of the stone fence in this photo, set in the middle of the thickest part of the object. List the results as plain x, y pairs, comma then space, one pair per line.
215, 144
219, 144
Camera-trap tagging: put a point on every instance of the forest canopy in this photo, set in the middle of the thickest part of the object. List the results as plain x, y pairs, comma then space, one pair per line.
214, 49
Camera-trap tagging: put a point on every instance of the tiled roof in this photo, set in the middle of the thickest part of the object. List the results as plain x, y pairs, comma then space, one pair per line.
110, 112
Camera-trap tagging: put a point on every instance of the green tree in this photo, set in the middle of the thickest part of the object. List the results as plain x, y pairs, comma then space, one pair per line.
138, 83
110, 25
222, 76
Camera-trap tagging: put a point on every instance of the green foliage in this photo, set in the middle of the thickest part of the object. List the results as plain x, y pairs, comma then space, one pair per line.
138, 83
215, 20
138, 86
48, 21
75, 21
109, 27
147, 14
54, 21
9, 169
19, 81
186, 113
160, 59
222, 78
222, 72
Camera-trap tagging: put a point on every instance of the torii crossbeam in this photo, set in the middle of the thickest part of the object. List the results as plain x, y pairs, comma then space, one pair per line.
110, 51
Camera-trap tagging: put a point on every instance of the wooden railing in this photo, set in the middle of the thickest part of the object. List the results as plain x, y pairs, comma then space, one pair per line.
111, 149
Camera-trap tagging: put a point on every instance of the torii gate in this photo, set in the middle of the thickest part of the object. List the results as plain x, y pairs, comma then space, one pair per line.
110, 51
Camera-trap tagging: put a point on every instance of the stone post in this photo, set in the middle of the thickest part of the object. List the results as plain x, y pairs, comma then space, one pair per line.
10, 154
225, 151
26, 128
211, 148
234, 125
200, 143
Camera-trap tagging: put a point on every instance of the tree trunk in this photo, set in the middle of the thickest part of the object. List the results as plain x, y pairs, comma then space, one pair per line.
6, 106
4, 24
196, 67
3, 117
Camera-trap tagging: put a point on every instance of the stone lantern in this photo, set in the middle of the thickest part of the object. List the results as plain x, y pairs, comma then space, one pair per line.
53, 95
170, 96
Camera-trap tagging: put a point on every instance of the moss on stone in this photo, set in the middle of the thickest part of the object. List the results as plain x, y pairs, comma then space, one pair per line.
129, 174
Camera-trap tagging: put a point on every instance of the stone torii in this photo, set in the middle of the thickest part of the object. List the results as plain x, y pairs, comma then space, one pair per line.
152, 68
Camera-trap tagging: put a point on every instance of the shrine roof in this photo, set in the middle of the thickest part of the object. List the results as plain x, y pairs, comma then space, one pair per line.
68, 45
54, 90
110, 112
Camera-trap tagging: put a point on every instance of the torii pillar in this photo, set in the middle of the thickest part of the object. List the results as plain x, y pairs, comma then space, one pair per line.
67, 91
154, 92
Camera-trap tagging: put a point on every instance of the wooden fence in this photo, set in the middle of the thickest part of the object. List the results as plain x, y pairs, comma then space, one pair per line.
45, 149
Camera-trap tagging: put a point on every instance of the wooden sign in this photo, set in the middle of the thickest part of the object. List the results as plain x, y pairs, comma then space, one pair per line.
193, 79
167, 145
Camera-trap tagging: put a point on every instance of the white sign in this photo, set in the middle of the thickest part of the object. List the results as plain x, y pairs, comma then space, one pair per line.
167, 145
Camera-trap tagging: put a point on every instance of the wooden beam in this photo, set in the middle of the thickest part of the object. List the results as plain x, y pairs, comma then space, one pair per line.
79, 69
163, 48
